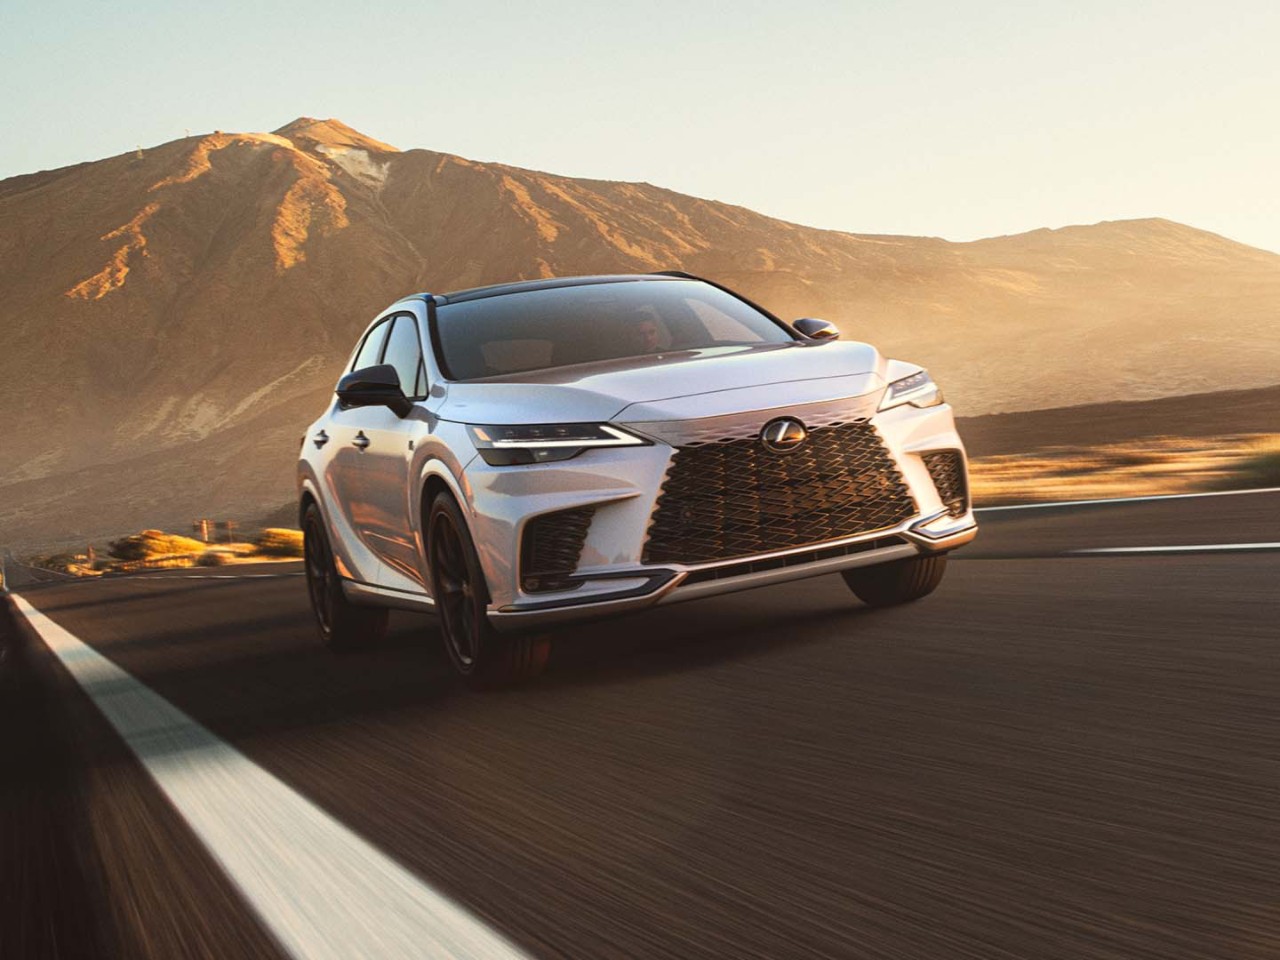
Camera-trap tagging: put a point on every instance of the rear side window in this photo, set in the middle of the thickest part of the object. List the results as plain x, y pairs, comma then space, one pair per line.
371, 349
405, 354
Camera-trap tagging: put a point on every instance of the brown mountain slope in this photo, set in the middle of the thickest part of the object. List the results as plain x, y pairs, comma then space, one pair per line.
171, 320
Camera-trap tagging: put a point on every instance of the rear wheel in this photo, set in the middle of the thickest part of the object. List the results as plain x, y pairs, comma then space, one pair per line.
900, 581
479, 653
343, 625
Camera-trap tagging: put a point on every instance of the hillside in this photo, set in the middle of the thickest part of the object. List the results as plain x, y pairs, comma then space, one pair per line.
172, 321
1199, 415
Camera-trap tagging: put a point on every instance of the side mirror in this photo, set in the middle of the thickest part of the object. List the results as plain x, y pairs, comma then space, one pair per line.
377, 386
816, 329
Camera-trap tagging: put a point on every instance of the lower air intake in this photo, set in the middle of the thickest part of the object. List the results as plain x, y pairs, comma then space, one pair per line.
946, 468
550, 548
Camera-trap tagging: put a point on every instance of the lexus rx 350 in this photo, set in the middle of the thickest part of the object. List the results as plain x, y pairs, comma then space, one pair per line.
519, 456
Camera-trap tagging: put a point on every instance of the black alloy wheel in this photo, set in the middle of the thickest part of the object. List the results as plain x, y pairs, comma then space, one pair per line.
342, 624
319, 567
455, 592
481, 655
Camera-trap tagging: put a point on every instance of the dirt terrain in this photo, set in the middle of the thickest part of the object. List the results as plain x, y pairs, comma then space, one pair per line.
174, 317
1198, 415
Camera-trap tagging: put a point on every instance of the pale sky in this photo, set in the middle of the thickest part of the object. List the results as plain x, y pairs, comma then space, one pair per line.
932, 117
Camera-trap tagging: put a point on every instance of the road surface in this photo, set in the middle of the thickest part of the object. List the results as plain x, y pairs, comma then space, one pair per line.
1058, 754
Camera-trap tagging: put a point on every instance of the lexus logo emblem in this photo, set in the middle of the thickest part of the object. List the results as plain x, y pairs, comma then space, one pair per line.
783, 435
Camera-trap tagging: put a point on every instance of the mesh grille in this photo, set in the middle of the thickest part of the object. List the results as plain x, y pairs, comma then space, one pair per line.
550, 549
946, 468
735, 499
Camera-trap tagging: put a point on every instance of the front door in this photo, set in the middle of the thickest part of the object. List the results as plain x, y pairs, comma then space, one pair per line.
385, 524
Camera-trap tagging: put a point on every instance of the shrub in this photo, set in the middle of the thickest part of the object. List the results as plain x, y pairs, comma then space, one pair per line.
150, 544
280, 542
213, 558
59, 562
1261, 468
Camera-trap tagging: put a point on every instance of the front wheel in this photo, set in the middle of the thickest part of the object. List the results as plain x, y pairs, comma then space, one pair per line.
343, 625
899, 581
481, 655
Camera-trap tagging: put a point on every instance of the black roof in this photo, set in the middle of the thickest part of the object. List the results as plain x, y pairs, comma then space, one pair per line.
522, 286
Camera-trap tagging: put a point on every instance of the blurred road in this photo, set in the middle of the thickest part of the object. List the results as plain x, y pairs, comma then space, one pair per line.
1055, 755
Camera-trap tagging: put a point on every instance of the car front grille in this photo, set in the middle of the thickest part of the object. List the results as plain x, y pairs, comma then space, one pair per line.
946, 469
550, 548
734, 498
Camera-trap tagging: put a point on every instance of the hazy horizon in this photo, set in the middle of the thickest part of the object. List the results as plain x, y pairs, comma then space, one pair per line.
916, 119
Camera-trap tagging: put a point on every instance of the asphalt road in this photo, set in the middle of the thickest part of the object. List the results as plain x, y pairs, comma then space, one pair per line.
1055, 755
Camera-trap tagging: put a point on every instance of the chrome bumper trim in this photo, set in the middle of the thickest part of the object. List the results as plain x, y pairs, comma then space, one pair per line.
941, 531
667, 583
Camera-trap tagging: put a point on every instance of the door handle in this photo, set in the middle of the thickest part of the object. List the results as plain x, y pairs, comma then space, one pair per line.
320, 439
361, 440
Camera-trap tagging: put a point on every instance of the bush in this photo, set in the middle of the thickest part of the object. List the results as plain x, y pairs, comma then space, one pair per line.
1261, 468
213, 558
150, 544
280, 542
69, 563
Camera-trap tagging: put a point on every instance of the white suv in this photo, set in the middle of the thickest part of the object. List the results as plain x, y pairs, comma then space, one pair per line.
518, 456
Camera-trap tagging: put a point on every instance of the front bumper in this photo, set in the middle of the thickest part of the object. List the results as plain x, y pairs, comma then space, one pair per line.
673, 584
622, 486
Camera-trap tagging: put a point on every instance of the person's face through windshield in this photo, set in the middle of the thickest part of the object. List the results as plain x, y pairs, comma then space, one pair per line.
648, 334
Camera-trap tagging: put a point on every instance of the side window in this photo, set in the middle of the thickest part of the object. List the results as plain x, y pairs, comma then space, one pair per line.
371, 349
405, 354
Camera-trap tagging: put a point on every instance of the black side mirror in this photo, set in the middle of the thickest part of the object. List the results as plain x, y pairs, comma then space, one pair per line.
377, 386
815, 329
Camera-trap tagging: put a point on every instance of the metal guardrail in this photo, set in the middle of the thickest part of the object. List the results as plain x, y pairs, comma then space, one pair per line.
14, 574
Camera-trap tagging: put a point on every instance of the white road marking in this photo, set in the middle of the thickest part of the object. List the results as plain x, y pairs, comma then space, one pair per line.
1188, 548
324, 892
1165, 496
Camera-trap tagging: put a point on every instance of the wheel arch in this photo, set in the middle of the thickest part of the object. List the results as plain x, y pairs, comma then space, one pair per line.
306, 500
308, 495
435, 478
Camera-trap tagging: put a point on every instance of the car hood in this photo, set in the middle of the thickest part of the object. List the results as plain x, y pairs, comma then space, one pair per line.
672, 386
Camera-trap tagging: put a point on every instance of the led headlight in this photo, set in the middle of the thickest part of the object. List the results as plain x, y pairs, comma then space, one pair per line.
505, 446
919, 390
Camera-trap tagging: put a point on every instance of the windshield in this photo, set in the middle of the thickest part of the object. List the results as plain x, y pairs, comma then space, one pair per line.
538, 329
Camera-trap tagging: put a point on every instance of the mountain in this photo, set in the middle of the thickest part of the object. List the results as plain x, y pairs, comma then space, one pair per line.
173, 318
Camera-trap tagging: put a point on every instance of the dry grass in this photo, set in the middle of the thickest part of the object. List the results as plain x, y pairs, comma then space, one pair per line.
1261, 464
157, 550
1148, 467
154, 545
280, 542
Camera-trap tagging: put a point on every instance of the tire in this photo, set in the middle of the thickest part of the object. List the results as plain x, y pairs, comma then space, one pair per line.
482, 656
900, 581
343, 625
